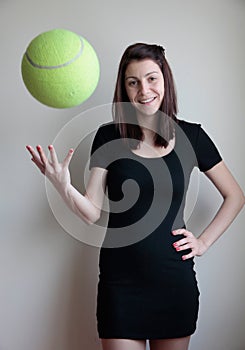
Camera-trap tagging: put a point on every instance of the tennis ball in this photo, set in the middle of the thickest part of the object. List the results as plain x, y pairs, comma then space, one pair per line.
60, 68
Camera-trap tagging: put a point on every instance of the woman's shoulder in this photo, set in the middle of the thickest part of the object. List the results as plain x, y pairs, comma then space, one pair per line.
187, 125
205, 149
108, 131
190, 129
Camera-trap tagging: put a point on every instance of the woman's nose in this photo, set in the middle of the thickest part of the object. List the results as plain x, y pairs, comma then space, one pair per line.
144, 88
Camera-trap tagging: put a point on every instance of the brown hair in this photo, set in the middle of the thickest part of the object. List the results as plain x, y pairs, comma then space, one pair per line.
124, 113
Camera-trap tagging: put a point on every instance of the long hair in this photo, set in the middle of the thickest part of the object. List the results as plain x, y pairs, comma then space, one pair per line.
124, 114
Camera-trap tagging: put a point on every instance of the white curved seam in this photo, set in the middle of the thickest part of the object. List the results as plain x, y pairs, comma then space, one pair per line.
60, 65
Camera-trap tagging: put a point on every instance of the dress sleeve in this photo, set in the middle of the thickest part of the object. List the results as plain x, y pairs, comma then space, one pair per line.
98, 154
206, 151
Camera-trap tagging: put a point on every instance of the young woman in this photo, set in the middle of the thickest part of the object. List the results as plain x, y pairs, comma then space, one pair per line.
147, 285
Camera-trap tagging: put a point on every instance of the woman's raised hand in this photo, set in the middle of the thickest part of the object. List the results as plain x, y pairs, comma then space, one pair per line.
57, 173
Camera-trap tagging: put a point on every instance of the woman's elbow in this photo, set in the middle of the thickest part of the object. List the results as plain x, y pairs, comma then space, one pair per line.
239, 199
242, 200
92, 218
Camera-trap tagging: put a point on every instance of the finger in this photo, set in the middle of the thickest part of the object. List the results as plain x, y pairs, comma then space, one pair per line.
35, 157
188, 256
178, 232
67, 159
182, 231
42, 155
32, 152
180, 242
39, 165
184, 247
53, 155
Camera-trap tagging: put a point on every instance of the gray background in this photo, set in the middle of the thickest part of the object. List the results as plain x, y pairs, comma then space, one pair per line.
48, 278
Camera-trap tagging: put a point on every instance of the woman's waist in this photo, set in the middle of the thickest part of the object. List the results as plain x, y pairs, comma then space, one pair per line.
146, 268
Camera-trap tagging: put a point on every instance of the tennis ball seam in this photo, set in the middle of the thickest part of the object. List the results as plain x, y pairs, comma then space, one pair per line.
59, 65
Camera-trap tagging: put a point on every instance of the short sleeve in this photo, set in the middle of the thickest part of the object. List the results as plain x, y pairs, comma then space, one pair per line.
101, 150
98, 151
206, 151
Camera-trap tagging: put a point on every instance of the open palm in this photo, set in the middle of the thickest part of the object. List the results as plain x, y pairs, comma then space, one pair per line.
58, 173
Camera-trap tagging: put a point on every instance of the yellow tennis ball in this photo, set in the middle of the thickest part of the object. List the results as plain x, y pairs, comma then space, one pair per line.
60, 68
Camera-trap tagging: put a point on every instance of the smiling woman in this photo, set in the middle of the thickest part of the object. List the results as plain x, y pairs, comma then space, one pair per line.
148, 290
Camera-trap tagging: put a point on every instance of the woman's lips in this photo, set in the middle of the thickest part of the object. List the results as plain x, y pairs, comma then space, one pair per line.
148, 100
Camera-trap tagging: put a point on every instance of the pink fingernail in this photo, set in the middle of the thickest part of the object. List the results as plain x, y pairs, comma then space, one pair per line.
183, 257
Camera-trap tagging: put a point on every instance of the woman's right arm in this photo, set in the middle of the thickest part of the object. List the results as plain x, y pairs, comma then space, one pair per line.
87, 206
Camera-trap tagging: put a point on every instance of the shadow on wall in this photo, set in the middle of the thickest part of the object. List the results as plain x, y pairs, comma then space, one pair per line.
76, 313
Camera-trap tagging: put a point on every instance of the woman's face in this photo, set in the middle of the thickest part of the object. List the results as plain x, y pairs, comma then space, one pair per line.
144, 85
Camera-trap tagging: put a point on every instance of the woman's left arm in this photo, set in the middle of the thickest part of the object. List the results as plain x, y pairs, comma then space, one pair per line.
233, 202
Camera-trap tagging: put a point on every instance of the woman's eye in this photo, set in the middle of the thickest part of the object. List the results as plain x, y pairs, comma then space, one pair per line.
133, 83
152, 79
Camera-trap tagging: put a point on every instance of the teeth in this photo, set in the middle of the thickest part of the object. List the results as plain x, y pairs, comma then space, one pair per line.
148, 100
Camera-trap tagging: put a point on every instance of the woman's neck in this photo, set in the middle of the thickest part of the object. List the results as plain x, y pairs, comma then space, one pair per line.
148, 125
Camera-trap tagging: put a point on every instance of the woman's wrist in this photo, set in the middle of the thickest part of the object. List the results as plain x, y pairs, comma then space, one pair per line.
203, 245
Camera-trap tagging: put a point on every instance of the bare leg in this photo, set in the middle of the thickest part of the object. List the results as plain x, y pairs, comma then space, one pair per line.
170, 344
123, 344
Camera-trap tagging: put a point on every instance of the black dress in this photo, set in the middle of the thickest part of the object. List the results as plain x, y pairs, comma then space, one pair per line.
146, 290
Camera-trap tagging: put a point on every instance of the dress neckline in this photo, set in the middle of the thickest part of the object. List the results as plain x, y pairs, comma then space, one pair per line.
158, 157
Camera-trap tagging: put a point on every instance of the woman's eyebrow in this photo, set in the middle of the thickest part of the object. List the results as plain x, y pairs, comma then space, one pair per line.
146, 75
